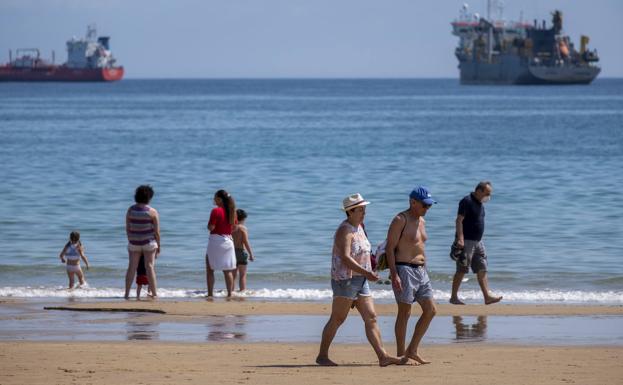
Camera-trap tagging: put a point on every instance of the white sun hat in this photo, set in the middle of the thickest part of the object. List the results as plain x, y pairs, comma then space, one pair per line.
352, 201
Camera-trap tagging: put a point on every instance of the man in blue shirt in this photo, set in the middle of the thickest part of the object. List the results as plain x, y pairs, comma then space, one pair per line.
470, 226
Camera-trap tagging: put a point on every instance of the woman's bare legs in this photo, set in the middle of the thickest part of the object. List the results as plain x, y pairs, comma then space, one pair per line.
150, 261
229, 281
133, 258
209, 278
339, 311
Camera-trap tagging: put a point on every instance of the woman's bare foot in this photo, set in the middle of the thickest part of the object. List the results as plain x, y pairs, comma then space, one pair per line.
490, 300
456, 301
389, 360
416, 357
325, 361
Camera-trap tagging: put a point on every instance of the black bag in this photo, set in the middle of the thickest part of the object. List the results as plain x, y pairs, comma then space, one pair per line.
457, 253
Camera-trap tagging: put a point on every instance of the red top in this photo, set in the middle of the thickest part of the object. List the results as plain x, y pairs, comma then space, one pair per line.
219, 219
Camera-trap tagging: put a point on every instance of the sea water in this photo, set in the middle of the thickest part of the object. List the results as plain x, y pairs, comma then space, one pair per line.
289, 151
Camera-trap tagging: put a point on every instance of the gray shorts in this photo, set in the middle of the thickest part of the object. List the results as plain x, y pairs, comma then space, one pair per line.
415, 284
475, 256
351, 288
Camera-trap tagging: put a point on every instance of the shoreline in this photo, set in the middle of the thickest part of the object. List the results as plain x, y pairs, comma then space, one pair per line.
203, 307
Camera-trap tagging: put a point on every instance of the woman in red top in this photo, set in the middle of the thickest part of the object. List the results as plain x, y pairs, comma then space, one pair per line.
220, 254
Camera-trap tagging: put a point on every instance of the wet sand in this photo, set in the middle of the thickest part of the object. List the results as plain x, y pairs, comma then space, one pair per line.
247, 307
157, 362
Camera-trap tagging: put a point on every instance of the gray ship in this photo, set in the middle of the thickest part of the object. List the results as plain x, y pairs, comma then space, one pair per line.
495, 51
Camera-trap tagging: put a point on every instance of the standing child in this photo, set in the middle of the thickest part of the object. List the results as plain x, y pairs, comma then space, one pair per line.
242, 248
141, 277
71, 254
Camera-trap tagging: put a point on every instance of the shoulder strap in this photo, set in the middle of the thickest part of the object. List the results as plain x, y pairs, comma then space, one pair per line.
363, 226
405, 226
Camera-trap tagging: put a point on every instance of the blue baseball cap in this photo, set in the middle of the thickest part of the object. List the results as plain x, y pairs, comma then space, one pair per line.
422, 194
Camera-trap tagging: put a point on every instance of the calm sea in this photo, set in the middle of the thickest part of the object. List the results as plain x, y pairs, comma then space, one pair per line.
71, 156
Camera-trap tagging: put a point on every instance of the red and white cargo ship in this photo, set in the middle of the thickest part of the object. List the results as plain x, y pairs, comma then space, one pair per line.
88, 60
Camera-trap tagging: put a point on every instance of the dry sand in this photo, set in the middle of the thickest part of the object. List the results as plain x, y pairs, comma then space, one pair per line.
141, 362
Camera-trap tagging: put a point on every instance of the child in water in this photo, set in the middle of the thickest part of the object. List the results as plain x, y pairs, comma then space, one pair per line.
242, 248
71, 254
141, 277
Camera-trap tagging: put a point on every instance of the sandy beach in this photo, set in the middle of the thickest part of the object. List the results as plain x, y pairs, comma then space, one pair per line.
158, 362
161, 363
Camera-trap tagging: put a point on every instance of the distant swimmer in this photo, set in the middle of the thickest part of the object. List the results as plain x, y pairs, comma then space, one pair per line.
406, 258
470, 226
242, 248
71, 255
351, 269
142, 225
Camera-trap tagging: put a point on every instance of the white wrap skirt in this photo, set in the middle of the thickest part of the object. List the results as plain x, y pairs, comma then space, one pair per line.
221, 253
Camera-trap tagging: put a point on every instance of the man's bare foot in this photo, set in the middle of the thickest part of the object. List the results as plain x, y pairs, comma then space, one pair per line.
456, 301
491, 300
389, 360
416, 357
325, 361
406, 361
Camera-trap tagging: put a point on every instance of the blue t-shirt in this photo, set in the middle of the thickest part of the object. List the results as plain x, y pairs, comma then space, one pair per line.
473, 212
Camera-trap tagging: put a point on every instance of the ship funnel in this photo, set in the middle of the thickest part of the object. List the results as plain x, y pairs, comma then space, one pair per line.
583, 43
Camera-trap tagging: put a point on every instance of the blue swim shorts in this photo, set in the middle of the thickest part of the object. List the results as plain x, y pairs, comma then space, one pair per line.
351, 288
415, 284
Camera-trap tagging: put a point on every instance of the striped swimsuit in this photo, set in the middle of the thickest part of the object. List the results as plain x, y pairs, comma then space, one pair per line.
141, 227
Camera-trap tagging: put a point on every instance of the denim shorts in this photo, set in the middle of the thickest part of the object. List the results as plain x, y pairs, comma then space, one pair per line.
351, 288
415, 284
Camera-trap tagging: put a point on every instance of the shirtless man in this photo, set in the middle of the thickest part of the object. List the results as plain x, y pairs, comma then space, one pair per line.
406, 259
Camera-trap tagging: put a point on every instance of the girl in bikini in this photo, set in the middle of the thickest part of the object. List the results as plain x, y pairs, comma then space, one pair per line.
71, 254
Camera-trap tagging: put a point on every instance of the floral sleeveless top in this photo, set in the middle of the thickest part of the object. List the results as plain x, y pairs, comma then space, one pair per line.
360, 250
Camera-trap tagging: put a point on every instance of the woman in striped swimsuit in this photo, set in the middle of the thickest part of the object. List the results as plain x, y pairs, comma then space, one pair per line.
142, 226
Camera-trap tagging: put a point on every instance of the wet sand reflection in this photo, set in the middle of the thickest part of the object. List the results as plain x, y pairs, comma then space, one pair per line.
470, 332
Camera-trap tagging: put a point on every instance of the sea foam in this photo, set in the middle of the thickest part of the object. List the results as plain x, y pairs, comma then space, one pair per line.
537, 296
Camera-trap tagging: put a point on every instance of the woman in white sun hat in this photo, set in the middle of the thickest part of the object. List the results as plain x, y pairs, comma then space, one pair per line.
351, 270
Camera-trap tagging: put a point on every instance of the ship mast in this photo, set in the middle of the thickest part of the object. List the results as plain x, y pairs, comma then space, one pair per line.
490, 34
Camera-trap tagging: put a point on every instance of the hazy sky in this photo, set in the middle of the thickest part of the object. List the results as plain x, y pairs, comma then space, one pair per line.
287, 38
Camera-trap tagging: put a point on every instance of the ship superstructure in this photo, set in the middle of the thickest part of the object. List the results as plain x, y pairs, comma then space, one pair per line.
492, 50
88, 59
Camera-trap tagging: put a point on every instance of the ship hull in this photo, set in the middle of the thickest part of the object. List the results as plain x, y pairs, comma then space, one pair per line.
512, 70
60, 74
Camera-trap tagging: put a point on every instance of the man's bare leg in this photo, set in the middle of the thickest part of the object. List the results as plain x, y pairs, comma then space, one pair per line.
428, 312
365, 306
400, 327
456, 283
339, 311
484, 286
